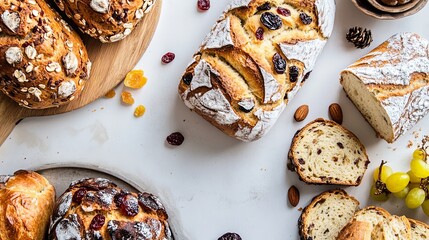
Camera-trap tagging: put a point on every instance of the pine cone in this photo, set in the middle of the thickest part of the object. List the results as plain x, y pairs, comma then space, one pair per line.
360, 37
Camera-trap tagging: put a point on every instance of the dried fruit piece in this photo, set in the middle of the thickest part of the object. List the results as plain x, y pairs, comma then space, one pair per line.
230, 236
271, 20
283, 11
305, 18
293, 196
336, 113
279, 63
139, 111
203, 5
293, 73
127, 98
97, 222
110, 94
135, 79
168, 57
301, 113
264, 7
187, 78
130, 205
175, 139
260, 33
79, 195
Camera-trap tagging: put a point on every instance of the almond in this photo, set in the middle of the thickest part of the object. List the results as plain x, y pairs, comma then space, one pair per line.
336, 113
301, 113
293, 196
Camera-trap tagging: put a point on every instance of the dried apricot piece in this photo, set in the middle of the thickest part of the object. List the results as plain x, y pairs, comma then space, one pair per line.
135, 79
139, 111
110, 94
127, 98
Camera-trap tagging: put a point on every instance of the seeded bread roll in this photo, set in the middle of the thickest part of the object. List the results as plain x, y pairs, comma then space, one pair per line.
98, 209
106, 20
390, 85
326, 215
419, 230
393, 228
26, 203
254, 61
43, 63
324, 152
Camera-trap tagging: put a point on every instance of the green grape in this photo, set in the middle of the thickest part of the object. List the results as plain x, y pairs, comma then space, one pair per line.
397, 182
386, 171
415, 198
380, 197
425, 207
420, 168
402, 194
419, 154
413, 178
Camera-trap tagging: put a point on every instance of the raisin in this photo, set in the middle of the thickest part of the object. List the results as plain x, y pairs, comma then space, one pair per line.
79, 195
283, 11
129, 206
305, 18
279, 63
264, 7
230, 236
293, 73
340, 145
175, 139
306, 76
203, 5
127, 98
119, 199
97, 222
135, 79
168, 57
271, 20
110, 94
139, 111
187, 78
259, 33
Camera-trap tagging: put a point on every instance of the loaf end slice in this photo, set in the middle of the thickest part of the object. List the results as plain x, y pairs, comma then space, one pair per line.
394, 228
419, 230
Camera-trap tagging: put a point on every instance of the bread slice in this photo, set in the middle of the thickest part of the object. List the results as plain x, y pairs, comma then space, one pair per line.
324, 152
326, 215
419, 230
394, 228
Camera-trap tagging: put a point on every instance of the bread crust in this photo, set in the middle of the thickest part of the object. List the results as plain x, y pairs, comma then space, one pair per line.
356, 230
26, 203
43, 62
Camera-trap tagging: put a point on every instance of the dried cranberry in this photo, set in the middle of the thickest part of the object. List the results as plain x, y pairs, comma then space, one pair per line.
279, 64
203, 5
293, 73
119, 199
260, 33
305, 18
78, 195
175, 139
283, 11
168, 57
264, 7
230, 236
130, 206
271, 20
97, 222
187, 78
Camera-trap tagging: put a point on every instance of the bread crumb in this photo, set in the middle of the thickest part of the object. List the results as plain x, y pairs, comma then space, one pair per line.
410, 144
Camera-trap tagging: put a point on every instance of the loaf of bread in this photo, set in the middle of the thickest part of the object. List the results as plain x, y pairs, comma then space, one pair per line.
419, 230
98, 209
390, 85
26, 203
43, 62
393, 228
106, 20
253, 62
324, 152
326, 215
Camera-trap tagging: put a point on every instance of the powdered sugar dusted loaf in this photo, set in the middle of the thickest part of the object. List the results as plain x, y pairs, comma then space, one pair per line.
390, 85
254, 61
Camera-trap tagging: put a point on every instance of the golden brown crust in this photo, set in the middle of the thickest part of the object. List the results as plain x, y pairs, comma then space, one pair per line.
356, 230
43, 62
26, 203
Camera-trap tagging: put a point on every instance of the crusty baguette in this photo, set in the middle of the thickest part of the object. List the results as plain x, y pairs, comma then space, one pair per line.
233, 81
419, 230
324, 152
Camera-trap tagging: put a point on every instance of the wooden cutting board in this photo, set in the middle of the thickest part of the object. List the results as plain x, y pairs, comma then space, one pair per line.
111, 62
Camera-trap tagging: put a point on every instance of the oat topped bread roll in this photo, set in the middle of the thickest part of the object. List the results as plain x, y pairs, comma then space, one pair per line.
254, 61
26, 203
43, 63
98, 209
106, 20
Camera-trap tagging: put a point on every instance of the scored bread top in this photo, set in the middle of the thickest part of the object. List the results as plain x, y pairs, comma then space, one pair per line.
232, 81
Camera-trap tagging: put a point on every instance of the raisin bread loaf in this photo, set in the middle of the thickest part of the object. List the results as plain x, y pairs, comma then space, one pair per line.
106, 20
43, 62
324, 152
98, 209
26, 203
253, 62
326, 215
390, 85
419, 230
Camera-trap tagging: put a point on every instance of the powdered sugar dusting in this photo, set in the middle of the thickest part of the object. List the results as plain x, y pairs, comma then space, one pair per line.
202, 74
271, 87
247, 103
220, 36
237, 4
68, 228
305, 52
291, 94
326, 16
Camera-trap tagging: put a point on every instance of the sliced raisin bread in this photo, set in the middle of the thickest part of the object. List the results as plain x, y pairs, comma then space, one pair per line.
419, 230
324, 152
326, 215
394, 228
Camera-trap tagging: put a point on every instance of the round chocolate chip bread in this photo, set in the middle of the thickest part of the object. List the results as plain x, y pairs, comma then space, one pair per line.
324, 152
98, 209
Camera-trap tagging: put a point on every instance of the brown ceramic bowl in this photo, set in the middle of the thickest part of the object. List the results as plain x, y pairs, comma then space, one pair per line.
372, 11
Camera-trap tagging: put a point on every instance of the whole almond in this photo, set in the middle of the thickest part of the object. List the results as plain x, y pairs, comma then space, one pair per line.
336, 113
293, 196
301, 113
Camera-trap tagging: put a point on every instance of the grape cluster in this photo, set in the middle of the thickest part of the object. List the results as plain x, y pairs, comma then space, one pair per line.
411, 186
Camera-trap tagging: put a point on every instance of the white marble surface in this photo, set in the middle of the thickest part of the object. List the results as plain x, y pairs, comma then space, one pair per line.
212, 183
